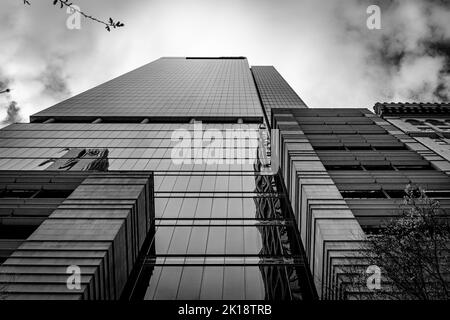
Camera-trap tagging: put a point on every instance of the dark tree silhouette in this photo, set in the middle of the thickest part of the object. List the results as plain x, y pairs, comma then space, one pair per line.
412, 252
109, 24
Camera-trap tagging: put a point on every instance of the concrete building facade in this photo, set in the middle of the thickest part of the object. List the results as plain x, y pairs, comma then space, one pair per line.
345, 171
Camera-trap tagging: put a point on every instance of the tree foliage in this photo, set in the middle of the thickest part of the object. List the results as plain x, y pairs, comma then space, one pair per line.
413, 250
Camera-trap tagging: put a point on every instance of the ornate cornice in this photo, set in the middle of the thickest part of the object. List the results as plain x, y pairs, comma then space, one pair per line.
422, 108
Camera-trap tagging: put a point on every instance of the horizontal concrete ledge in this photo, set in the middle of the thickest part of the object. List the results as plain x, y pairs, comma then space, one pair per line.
42, 118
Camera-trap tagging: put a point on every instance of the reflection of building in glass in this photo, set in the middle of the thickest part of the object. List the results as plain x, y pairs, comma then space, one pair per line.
80, 159
280, 280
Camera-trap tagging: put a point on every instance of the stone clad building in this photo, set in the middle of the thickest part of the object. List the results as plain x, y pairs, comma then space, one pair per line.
427, 123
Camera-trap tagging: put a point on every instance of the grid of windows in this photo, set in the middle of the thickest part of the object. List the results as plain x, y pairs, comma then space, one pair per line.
274, 91
131, 146
169, 87
216, 240
222, 231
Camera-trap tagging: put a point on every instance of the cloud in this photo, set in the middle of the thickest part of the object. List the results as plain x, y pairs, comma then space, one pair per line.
322, 48
12, 113
54, 82
41, 57
12, 110
418, 78
409, 57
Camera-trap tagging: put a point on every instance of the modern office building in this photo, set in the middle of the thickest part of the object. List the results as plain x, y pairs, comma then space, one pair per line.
197, 178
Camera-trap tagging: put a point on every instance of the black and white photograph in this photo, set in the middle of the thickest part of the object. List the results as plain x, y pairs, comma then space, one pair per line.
224, 159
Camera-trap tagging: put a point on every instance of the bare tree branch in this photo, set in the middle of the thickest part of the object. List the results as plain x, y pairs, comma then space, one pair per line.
109, 24
412, 251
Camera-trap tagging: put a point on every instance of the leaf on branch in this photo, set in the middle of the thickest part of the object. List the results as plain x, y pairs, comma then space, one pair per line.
110, 23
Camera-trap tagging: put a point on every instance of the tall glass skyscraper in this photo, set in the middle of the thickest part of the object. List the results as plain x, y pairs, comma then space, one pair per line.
221, 230
161, 184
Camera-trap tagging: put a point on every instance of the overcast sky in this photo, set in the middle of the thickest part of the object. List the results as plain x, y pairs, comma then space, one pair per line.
322, 48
